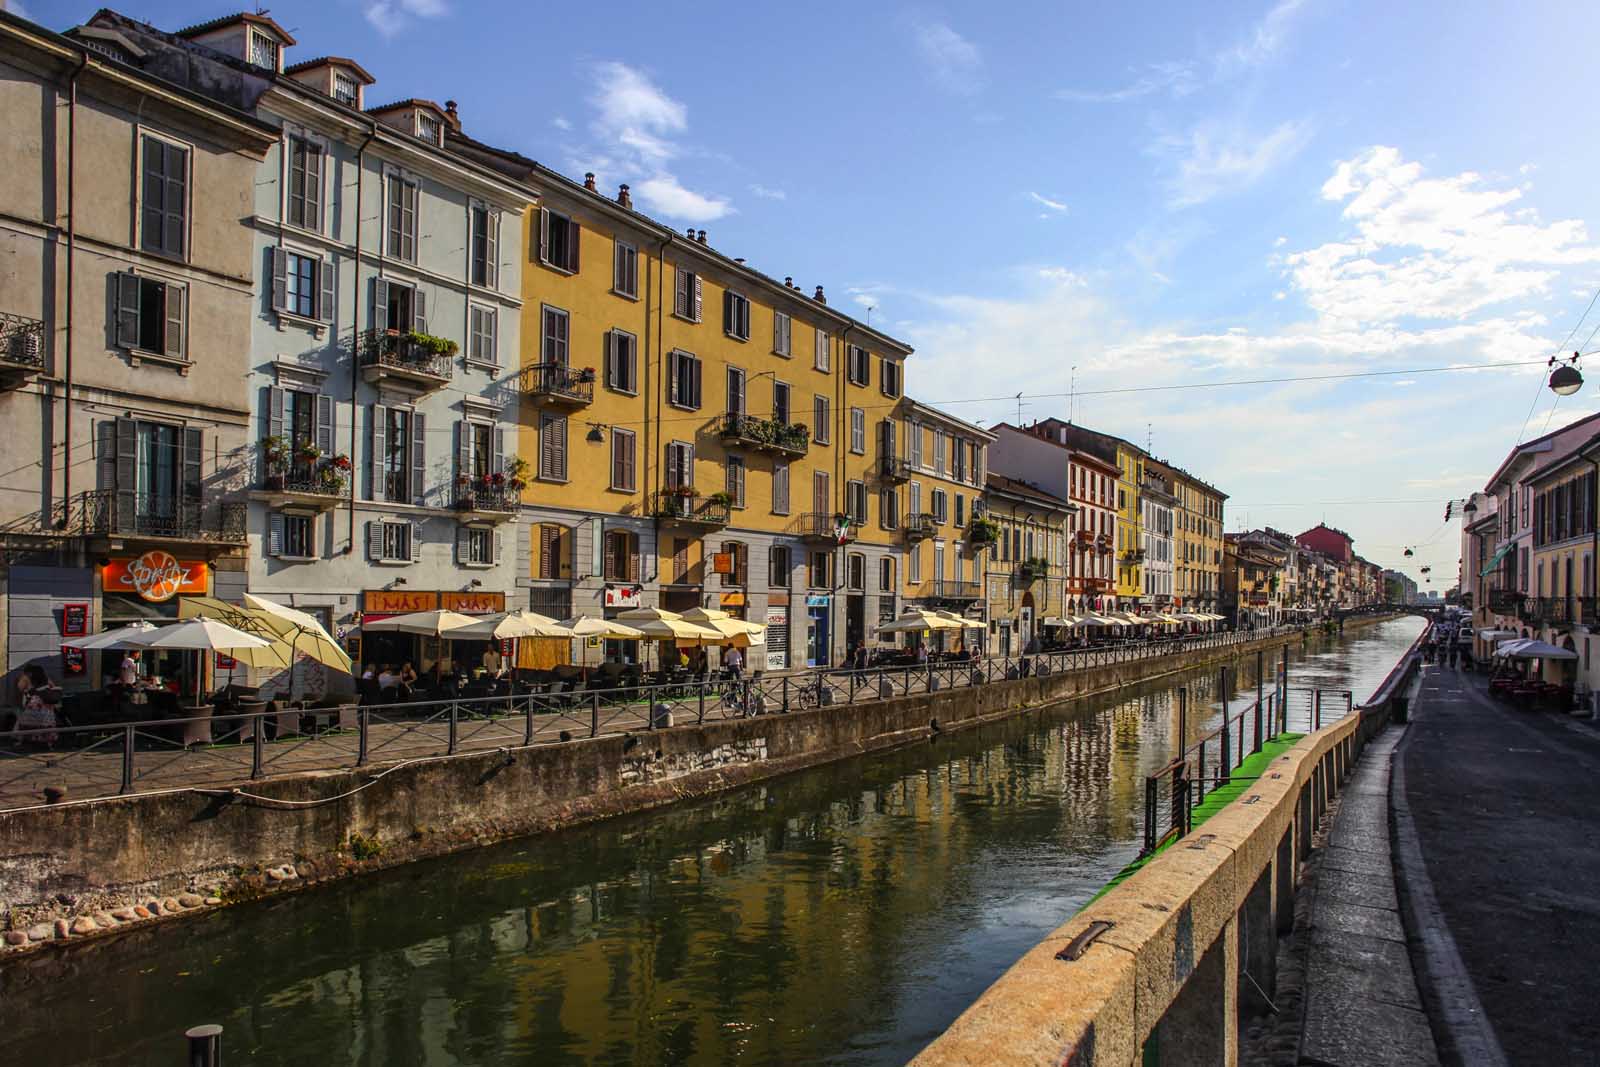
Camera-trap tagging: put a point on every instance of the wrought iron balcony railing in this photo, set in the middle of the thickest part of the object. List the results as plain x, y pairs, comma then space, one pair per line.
949, 589
559, 383
410, 356
766, 435
487, 499
822, 526
894, 469
21, 343
920, 527
692, 510
1560, 611
109, 513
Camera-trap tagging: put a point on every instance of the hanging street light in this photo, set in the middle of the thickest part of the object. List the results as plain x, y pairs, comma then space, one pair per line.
1565, 379
1469, 510
1410, 553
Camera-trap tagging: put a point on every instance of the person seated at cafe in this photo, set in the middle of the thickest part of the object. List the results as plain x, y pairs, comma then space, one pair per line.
388, 678
40, 697
491, 660
408, 680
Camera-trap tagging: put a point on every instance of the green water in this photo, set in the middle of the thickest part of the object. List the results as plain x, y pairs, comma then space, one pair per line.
843, 915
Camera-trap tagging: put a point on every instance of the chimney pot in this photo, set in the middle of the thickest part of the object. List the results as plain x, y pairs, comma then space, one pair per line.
450, 114
702, 237
588, 180
624, 197
788, 282
738, 259
818, 297
689, 233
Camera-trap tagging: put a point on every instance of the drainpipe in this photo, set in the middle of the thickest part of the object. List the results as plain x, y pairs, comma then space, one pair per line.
355, 337
654, 482
72, 241
841, 443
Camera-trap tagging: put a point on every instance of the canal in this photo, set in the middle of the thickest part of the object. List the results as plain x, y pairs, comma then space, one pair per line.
843, 915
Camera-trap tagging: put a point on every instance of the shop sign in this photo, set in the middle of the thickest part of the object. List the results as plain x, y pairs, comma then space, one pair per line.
156, 576
71, 660
777, 638
722, 562
397, 601
733, 600
622, 596
473, 603
74, 620
817, 600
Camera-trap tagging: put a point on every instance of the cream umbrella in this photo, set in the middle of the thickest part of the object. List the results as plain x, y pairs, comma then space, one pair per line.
273, 654
512, 625
309, 636
738, 632
438, 623
962, 621
916, 621
118, 638
590, 626
203, 635
665, 625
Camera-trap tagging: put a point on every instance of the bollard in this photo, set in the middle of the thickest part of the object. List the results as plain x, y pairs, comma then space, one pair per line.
127, 759
205, 1045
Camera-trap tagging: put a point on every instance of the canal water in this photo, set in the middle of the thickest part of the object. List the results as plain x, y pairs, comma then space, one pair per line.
843, 915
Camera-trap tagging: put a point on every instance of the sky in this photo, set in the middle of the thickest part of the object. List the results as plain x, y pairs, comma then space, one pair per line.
1090, 204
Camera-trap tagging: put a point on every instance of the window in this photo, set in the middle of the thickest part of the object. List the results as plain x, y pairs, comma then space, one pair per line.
856, 574
736, 480
292, 535
735, 316
620, 562
823, 352
939, 442
475, 546
552, 447
625, 271
817, 567
914, 565
484, 267
552, 548
961, 511
820, 420
346, 91
305, 184
855, 502
781, 329
780, 488
399, 461
778, 567
780, 403
150, 315
686, 295
889, 509
398, 307
735, 391
558, 241
263, 51
914, 440
886, 574
680, 464
164, 199
483, 344
623, 443
391, 542
554, 346
914, 499
402, 228
480, 450
858, 431
622, 368
889, 383
860, 365
958, 456
940, 513
683, 380
302, 285
738, 554
428, 128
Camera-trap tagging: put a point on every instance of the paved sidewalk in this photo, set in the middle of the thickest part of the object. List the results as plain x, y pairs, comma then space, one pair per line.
1362, 1006
1501, 805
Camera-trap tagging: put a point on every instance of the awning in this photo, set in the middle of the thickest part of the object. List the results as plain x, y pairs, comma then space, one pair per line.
1494, 560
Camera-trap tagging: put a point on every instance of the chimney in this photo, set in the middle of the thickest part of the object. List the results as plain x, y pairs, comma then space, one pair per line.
788, 282
624, 198
702, 237
739, 260
588, 181
450, 114
689, 233
818, 297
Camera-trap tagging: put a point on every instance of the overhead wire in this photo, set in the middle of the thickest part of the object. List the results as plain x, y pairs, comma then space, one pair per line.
1561, 348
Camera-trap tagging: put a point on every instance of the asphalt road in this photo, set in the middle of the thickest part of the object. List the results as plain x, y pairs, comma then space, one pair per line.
1506, 808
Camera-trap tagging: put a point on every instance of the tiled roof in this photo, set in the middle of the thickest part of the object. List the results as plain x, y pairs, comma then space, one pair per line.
339, 60
412, 102
1006, 484
229, 20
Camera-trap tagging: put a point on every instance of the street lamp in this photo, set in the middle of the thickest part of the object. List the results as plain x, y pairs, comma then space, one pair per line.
1565, 379
1469, 510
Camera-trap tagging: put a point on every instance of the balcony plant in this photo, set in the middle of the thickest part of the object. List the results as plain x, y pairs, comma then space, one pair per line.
517, 474
1033, 568
330, 477
307, 453
796, 436
275, 451
586, 376
982, 532
466, 498
433, 346
720, 500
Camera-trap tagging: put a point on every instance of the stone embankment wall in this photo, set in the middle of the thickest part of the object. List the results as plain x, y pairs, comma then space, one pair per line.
190, 848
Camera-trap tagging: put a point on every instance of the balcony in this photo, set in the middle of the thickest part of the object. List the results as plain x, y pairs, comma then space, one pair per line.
949, 589
920, 527
1506, 601
418, 360
766, 435
685, 509
321, 489
144, 516
557, 383
487, 501
21, 349
1031, 570
894, 470
1133, 555
819, 526
1560, 611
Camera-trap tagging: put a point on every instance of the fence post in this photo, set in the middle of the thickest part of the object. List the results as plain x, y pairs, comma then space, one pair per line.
1183, 719
1150, 815
127, 760
527, 729
452, 747
908, 681
205, 1045
256, 743
702, 715
1223, 764
1261, 682
594, 714
1201, 777
852, 687
786, 694
1316, 709
362, 714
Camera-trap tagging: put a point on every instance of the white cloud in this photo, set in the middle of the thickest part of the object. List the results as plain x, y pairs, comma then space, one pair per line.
1177, 78
1214, 159
1054, 205
1264, 41
1430, 248
663, 195
955, 61
560, 123
389, 17
765, 193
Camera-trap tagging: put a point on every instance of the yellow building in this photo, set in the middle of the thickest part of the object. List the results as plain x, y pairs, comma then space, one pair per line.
1129, 585
1026, 573
1563, 579
1196, 539
696, 433
945, 461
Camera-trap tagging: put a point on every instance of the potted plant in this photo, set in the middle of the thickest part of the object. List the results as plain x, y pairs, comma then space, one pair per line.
307, 453
982, 532
275, 451
465, 497
720, 500
330, 478
517, 474
586, 376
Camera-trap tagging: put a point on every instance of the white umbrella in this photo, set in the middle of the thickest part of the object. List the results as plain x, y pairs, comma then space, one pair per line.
1534, 649
309, 637
438, 623
589, 626
512, 625
200, 635
665, 625
123, 637
915, 621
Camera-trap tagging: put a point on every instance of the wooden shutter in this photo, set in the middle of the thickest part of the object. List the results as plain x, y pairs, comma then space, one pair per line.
617, 467
491, 325
497, 463
698, 295
548, 539
327, 291
628, 472
419, 311
380, 304
672, 378
499, 544
280, 279
419, 457
463, 544
780, 488
631, 542
694, 381
189, 485
324, 424
463, 449
541, 236
127, 292
380, 417
275, 534
313, 188
127, 470
491, 240
375, 540
173, 337
728, 324
275, 404
416, 542
176, 199
558, 447
821, 498
573, 238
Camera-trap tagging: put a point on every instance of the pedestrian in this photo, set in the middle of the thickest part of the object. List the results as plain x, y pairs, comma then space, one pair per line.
491, 659
128, 674
861, 656
733, 659
922, 653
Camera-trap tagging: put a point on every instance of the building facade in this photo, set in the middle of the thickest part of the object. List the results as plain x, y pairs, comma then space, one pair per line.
1156, 502
947, 460
1026, 577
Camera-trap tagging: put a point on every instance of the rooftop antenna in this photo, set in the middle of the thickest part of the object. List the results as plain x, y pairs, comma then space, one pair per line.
1148, 437
1072, 394
1019, 409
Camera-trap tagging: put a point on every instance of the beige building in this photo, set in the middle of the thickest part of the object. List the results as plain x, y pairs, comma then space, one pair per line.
1026, 574
946, 459
1197, 553
125, 319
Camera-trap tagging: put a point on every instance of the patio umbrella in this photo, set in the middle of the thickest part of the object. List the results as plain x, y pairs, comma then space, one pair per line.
310, 637
964, 622
438, 623
665, 625
118, 638
915, 621
1535, 649
202, 635
590, 626
736, 632
512, 625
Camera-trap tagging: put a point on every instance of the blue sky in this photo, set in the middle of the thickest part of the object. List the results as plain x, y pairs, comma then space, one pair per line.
1156, 195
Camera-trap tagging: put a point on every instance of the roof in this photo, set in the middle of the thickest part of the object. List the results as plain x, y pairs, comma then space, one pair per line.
1542, 443
1107, 464
339, 61
1330, 529
639, 218
409, 102
1001, 483
243, 16
923, 407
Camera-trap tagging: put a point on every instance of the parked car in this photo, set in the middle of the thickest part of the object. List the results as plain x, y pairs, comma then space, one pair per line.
1464, 636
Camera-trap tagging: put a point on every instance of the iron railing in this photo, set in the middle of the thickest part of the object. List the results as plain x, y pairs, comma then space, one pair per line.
109, 513
21, 342
1558, 611
404, 354
558, 382
920, 526
306, 484
820, 526
691, 510
223, 748
499, 499
948, 589
766, 435
894, 469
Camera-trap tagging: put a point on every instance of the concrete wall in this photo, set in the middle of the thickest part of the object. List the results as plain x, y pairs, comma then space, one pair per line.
121, 849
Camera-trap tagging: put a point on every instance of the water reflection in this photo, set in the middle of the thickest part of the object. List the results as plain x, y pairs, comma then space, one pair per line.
843, 915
